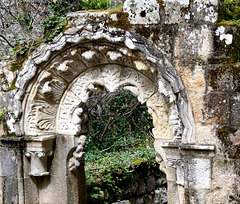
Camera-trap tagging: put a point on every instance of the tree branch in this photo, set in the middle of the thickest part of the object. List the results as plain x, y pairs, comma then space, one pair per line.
7, 41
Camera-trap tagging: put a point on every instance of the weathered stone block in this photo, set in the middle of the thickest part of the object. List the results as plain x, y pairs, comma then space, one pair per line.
229, 137
141, 187
183, 11
191, 72
204, 132
216, 108
224, 77
142, 12
235, 109
195, 96
198, 43
200, 173
223, 173
150, 184
9, 189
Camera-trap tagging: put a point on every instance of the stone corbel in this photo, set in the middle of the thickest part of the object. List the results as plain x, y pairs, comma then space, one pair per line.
38, 149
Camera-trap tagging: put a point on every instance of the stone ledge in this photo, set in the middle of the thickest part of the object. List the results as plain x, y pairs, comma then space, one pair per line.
11, 139
188, 146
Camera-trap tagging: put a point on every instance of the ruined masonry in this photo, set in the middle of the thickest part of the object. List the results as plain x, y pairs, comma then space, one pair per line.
170, 55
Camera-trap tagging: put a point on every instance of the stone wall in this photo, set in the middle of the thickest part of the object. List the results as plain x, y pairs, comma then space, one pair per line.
191, 60
148, 185
11, 171
147, 188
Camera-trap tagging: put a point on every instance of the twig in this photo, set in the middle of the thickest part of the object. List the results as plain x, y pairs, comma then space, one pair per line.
104, 150
131, 109
7, 41
105, 129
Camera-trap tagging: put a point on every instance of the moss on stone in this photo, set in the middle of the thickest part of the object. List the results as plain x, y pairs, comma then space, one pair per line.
224, 134
12, 85
17, 63
143, 31
226, 71
227, 57
147, 200
227, 23
122, 21
229, 10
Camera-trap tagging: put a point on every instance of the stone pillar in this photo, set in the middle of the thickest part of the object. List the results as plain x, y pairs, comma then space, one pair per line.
11, 172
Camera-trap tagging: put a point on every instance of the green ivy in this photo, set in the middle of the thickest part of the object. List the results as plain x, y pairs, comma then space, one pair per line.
119, 141
229, 10
4, 113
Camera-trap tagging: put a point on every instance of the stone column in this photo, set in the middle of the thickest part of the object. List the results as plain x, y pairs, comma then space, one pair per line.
11, 171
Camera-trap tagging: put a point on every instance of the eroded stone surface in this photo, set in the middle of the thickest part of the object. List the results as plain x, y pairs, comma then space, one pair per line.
142, 12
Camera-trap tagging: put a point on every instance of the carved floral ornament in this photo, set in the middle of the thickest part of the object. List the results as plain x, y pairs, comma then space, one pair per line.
76, 64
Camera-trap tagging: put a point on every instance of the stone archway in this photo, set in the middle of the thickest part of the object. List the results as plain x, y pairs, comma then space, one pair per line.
58, 79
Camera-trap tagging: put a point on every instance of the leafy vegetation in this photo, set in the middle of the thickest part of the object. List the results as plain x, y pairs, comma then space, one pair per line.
5, 113
117, 120
4, 116
119, 141
96, 4
39, 22
229, 11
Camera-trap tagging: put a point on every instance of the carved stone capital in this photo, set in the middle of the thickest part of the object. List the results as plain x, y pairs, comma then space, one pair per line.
38, 149
189, 161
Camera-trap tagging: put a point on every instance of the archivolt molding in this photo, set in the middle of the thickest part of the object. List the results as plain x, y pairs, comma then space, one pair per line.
109, 76
79, 62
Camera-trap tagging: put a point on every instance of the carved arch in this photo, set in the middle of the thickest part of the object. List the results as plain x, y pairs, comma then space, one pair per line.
55, 81
56, 67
